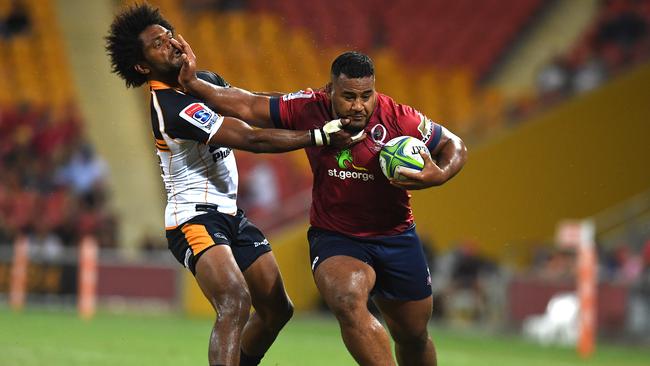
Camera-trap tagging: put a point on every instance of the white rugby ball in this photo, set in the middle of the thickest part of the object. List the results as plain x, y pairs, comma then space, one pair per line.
402, 152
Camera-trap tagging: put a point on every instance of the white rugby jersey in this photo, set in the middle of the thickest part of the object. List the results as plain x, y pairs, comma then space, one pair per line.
193, 171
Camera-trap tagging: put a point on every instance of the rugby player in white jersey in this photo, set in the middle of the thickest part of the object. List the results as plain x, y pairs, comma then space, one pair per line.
229, 257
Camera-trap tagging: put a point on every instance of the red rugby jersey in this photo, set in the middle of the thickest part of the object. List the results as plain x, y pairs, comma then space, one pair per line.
350, 194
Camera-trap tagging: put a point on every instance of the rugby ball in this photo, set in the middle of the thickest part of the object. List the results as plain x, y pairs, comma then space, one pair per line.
403, 152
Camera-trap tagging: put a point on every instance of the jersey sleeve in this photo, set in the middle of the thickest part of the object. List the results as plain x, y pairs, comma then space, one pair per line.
416, 124
213, 78
287, 111
193, 120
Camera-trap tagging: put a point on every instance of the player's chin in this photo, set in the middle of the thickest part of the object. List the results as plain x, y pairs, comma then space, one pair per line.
176, 64
356, 124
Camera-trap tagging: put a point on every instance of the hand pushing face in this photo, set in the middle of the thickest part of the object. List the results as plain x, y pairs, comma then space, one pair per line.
161, 56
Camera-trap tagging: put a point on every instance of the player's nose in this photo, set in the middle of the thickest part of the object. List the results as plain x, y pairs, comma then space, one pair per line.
357, 105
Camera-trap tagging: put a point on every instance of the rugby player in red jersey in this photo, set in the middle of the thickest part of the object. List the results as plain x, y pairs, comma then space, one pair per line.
362, 236
229, 257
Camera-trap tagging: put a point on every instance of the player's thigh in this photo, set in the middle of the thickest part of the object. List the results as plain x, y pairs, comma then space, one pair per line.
344, 282
219, 277
405, 319
266, 286
402, 270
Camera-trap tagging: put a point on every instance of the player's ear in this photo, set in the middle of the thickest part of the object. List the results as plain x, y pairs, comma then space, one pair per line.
141, 68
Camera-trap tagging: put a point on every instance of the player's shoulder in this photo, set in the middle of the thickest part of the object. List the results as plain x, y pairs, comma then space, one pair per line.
391, 106
305, 97
405, 119
173, 100
391, 111
213, 78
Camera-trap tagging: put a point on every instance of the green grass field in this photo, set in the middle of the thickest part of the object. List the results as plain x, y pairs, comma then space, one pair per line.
35, 337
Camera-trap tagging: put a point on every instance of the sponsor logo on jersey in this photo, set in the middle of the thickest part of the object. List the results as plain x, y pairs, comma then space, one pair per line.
259, 243
345, 161
425, 127
298, 95
221, 237
188, 255
346, 174
200, 116
219, 153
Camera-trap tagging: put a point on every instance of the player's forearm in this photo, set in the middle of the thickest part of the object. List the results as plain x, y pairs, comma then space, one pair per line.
276, 141
269, 94
451, 158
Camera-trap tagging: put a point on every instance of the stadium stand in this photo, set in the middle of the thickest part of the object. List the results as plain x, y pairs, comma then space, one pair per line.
47, 191
617, 39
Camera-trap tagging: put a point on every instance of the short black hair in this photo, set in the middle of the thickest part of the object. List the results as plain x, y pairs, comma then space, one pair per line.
123, 43
353, 64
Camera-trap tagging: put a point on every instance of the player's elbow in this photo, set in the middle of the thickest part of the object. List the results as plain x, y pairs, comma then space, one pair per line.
462, 151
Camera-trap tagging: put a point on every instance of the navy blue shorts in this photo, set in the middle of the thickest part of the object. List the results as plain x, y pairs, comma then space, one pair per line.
398, 260
191, 239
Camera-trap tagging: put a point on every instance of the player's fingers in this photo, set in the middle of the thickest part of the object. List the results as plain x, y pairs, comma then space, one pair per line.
182, 40
359, 137
426, 157
408, 173
344, 122
186, 46
176, 44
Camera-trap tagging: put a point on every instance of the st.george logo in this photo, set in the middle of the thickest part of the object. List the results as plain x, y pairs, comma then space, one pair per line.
346, 161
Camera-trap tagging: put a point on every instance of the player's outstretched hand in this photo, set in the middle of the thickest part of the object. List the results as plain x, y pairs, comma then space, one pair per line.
339, 137
187, 74
430, 175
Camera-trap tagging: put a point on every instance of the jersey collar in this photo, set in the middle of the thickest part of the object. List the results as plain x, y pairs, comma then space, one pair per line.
159, 85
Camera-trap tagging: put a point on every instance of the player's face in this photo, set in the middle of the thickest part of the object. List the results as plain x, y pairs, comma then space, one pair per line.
355, 99
161, 57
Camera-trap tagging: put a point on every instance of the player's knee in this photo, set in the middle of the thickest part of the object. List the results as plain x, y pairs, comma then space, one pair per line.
235, 304
276, 316
347, 305
286, 313
280, 315
413, 339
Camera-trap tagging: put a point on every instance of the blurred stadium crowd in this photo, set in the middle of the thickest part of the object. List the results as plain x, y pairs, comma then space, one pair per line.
55, 189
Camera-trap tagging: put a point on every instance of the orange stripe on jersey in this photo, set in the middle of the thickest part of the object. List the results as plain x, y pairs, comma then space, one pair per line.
158, 85
198, 237
162, 145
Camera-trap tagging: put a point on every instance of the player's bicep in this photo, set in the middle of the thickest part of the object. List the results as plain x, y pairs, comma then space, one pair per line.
244, 105
416, 124
260, 110
439, 141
